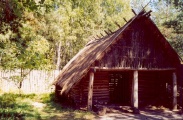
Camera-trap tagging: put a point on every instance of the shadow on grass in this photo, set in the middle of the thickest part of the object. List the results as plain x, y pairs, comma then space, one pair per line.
12, 107
58, 111
15, 106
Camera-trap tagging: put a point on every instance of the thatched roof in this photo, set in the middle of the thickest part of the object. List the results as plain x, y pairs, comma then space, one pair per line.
80, 64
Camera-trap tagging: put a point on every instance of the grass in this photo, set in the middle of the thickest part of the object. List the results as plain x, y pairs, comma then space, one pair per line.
37, 107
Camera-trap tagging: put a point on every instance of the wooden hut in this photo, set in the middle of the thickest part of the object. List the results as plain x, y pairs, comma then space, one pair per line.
134, 65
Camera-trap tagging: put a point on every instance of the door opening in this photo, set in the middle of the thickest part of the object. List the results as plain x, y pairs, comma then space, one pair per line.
120, 88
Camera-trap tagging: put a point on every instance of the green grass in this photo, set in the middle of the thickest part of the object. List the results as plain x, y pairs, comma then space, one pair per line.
31, 106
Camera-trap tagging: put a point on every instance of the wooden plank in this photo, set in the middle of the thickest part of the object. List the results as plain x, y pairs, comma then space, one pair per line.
131, 69
99, 90
90, 90
174, 91
102, 97
100, 94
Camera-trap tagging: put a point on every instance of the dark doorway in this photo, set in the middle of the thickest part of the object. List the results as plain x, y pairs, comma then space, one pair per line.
120, 88
155, 88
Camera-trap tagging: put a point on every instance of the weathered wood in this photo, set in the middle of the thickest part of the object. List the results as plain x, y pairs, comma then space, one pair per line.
90, 90
36, 81
132, 48
98, 36
148, 13
110, 31
135, 89
117, 24
125, 20
99, 90
106, 32
102, 34
174, 91
101, 94
134, 11
131, 69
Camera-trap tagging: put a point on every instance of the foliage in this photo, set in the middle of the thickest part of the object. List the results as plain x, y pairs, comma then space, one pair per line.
47, 98
176, 25
70, 24
21, 47
40, 34
46, 34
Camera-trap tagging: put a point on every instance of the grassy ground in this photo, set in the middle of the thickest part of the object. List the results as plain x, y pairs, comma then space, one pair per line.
28, 107
43, 107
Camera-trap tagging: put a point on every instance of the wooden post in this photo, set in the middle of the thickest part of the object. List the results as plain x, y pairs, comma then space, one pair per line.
90, 90
174, 91
135, 90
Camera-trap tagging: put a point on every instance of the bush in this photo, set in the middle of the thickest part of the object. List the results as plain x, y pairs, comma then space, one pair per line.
46, 98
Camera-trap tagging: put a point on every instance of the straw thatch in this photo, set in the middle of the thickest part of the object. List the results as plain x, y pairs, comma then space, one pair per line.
95, 50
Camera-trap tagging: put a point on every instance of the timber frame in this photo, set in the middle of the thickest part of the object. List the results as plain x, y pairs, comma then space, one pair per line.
129, 66
134, 94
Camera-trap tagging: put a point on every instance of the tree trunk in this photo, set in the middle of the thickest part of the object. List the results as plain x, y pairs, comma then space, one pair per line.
58, 56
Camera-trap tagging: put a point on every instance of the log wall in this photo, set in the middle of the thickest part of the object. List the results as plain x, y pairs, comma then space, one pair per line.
116, 87
109, 87
100, 89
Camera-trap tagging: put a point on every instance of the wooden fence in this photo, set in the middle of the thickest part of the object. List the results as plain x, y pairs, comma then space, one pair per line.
37, 81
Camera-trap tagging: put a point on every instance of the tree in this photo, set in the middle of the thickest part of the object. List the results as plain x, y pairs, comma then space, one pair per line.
64, 25
176, 25
21, 47
73, 22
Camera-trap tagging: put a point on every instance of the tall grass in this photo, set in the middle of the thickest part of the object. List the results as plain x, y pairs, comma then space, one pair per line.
13, 106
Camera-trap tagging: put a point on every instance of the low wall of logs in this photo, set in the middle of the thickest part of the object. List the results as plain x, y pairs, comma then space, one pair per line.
154, 88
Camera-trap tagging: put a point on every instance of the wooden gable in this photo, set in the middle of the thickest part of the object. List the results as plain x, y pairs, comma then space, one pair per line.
138, 48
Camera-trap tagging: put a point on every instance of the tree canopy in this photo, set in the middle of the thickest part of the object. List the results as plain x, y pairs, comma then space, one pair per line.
46, 34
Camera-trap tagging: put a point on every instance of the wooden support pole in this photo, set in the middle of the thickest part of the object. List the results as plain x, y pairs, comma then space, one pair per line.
98, 36
106, 32
125, 20
90, 90
147, 14
110, 31
117, 24
134, 11
102, 34
174, 91
135, 90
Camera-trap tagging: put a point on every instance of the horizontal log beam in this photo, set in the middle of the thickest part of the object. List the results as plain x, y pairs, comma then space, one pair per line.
131, 69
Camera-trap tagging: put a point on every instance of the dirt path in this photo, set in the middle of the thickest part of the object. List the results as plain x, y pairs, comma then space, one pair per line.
144, 115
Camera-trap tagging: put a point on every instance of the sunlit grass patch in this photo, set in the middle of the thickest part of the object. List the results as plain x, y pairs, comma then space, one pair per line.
31, 106
13, 108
